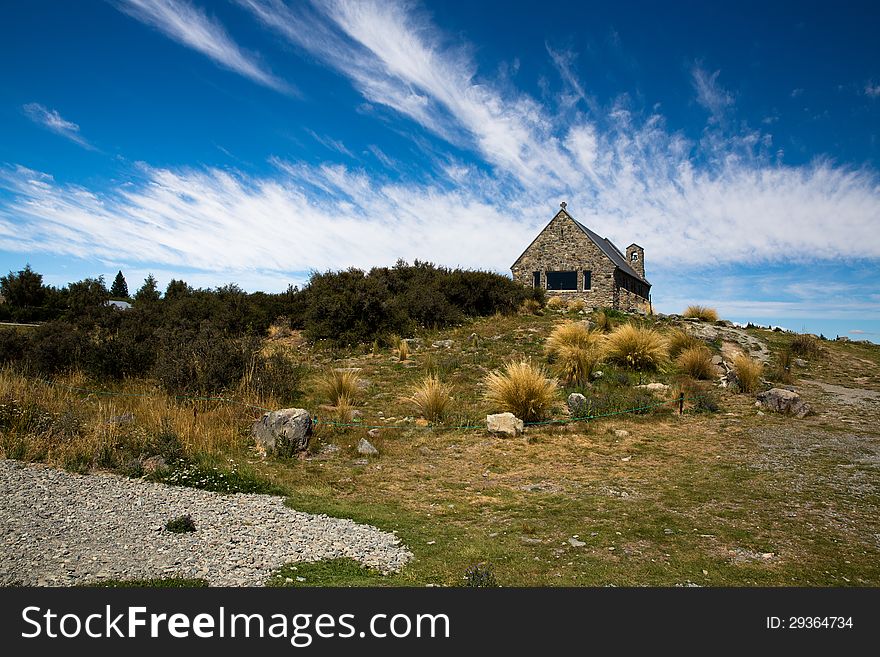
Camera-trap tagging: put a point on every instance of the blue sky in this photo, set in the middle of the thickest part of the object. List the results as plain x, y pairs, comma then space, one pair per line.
253, 141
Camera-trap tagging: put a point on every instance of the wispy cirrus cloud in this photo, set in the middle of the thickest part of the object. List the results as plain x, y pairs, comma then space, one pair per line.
711, 95
52, 120
192, 27
872, 90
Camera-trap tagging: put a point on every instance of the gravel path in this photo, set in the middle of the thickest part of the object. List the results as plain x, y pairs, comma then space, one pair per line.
59, 529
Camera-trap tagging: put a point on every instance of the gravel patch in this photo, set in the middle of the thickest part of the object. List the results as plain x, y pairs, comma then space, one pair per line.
60, 529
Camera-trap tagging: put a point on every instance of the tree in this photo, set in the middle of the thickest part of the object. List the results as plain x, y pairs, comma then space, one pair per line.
23, 289
87, 297
177, 289
119, 289
149, 291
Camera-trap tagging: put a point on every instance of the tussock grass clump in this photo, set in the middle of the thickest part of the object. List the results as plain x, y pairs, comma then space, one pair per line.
748, 373
531, 307
805, 345
576, 305
402, 350
602, 322
696, 362
431, 397
574, 363
557, 303
704, 313
640, 349
782, 369
569, 334
340, 385
522, 389
678, 340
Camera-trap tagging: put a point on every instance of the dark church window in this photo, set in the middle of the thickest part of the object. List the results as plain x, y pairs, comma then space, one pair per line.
588, 282
562, 280
536, 279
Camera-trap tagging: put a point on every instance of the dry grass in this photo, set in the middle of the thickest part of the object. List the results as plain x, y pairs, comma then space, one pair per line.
806, 345
678, 340
402, 350
576, 305
530, 307
557, 303
635, 347
602, 322
340, 384
431, 398
522, 389
748, 372
704, 313
574, 364
696, 362
570, 334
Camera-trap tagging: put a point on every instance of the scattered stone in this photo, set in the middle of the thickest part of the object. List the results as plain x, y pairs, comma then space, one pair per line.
285, 432
125, 418
373, 433
443, 344
626, 459
621, 433
154, 464
598, 374
717, 360
505, 424
361, 461
800, 362
577, 404
654, 387
422, 422
473, 338
576, 543
366, 448
780, 400
424, 451
356, 414
668, 531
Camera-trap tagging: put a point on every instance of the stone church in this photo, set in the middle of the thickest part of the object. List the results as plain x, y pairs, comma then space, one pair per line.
569, 260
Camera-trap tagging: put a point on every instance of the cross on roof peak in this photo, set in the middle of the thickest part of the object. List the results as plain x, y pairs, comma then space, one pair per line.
562, 205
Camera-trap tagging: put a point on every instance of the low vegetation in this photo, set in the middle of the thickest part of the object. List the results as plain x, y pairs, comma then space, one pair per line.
748, 373
696, 362
570, 334
703, 313
678, 340
431, 398
340, 386
556, 303
523, 389
638, 348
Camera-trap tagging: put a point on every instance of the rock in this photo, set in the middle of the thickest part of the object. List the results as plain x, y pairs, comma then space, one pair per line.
506, 424
800, 362
577, 404
366, 448
125, 418
424, 451
154, 464
576, 543
717, 360
284, 432
473, 338
413, 342
621, 433
356, 414
598, 374
654, 387
422, 422
443, 344
373, 433
784, 401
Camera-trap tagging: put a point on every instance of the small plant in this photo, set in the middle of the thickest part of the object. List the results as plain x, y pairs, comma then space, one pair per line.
570, 334
480, 576
703, 313
522, 389
696, 362
576, 306
181, 524
640, 349
431, 397
574, 364
531, 307
805, 345
337, 384
556, 303
602, 322
402, 351
748, 373
782, 370
679, 340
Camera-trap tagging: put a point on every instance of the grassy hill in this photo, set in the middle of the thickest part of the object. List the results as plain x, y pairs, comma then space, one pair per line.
723, 494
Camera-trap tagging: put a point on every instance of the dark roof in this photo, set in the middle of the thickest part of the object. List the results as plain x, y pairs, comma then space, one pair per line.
607, 247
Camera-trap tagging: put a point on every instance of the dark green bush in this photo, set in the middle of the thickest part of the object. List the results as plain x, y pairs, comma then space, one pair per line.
181, 524
480, 576
277, 375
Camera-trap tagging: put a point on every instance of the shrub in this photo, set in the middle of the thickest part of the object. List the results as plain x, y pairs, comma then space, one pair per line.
340, 384
556, 303
431, 398
704, 313
748, 373
678, 340
522, 389
531, 307
274, 375
696, 362
569, 334
480, 576
805, 345
574, 364
13, 345
638, 348
181, 524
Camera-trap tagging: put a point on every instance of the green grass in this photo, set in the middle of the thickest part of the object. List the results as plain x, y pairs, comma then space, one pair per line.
331, 572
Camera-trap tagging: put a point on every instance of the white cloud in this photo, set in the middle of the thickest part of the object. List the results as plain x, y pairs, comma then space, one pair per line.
872, 90
190, 26
710, 94
52, 120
